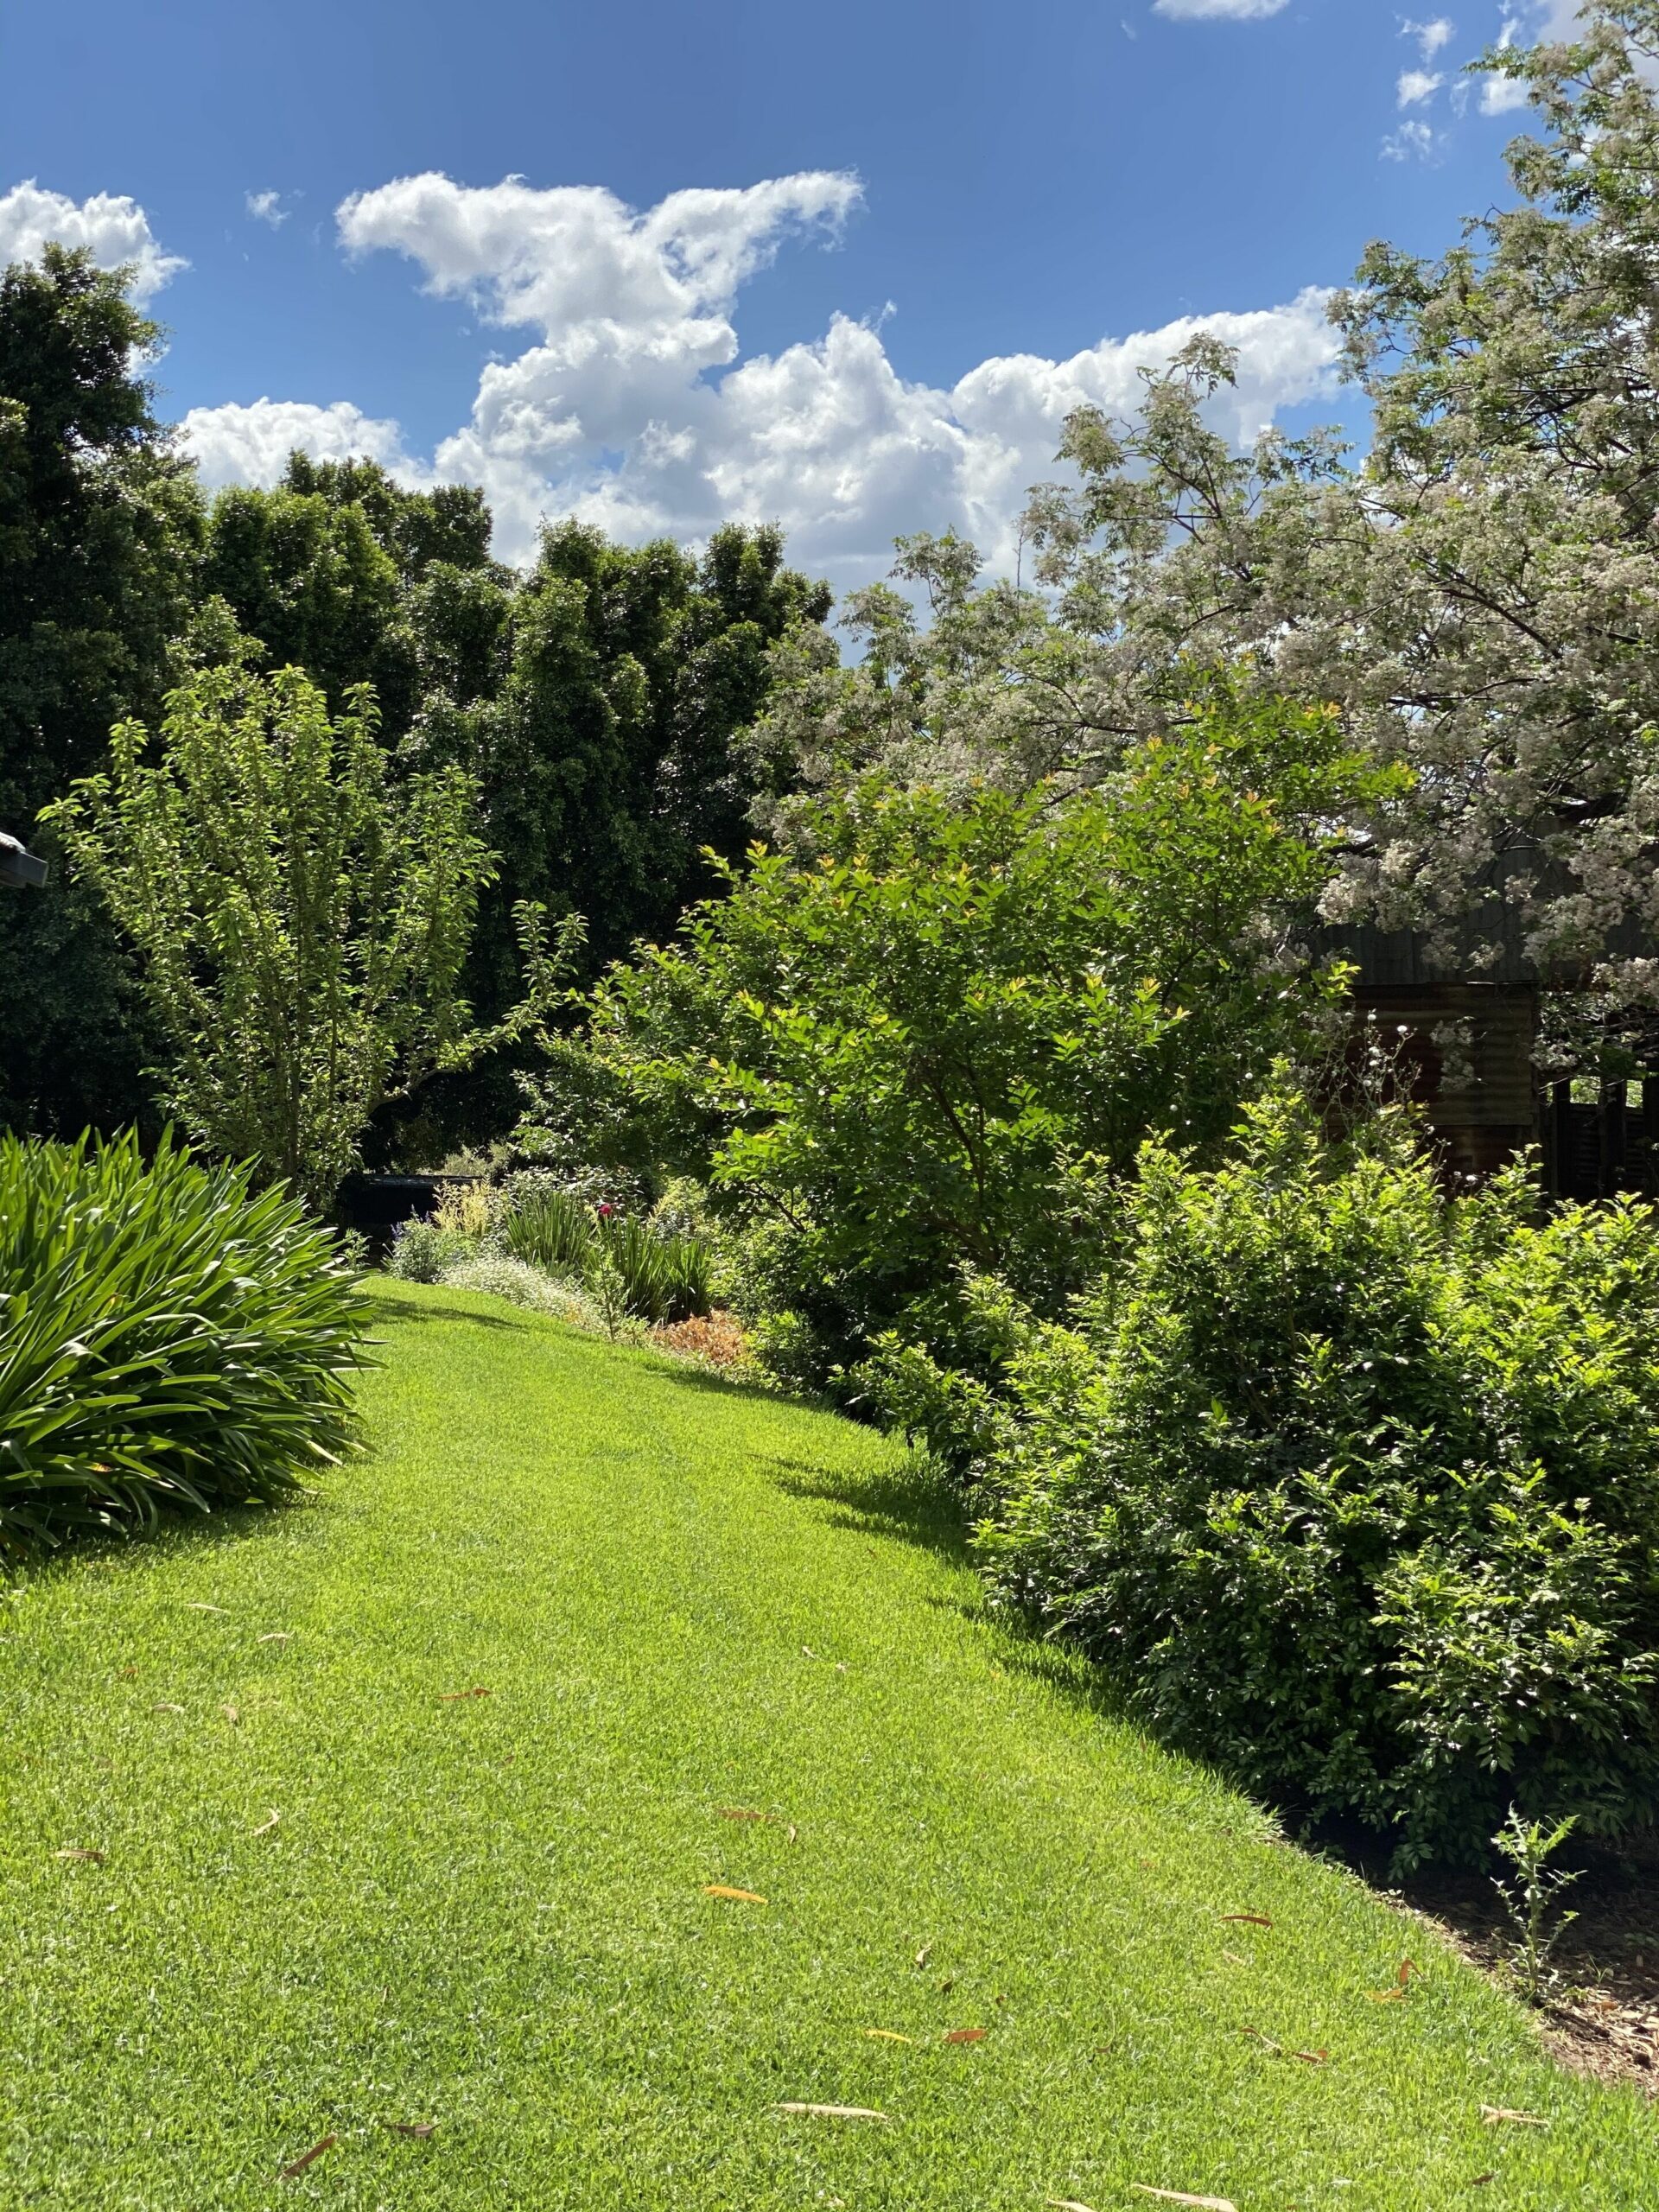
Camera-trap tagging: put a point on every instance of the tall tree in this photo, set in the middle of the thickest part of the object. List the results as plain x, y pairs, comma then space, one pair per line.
100, 523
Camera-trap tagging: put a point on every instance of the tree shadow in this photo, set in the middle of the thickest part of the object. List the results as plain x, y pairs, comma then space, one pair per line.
180, 1534
394, 1310
681, 1375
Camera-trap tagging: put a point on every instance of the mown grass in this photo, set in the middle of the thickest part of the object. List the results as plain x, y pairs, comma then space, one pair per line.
489, 1913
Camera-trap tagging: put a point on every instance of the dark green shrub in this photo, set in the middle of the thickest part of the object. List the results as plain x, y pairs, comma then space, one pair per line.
660, 1275
168, 1340
1353, 1487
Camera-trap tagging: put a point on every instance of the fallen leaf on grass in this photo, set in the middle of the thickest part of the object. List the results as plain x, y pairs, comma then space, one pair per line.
1395, 1996
276, 1636
887, 2035
265, 1828
233, 1713
1180, 2197
947, 1984
923, 1954
1066, 2204
453, 1697
1266, 2042
1494, 2115
739, 1897
1311, 2057
742, 1813
418, 2128
1481, 2180
1233, 1958
197, 1605
297, 2166
1407, 1968
1249, 1919
794, 1833
127, 1673
966, 2035
167, 1709
79, 1851
834, 2112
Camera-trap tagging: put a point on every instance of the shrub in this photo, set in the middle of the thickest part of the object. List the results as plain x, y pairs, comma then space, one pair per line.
550, 1227
712, 1339
521, 1284
634, 1267
421, 1250
172, 1340
1353, 1487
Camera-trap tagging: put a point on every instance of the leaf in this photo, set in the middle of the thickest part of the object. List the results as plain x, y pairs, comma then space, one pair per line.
233, 1713
835, 2112
966, 2035
1250, 1919
80, 1851
742, 1813
923, 1954
1494, 2115
1407, 1968
1066, 2204
298, 2165
198, 1606
739, 1897
265, 1827
276, 1636
452, 1697
167, 1709
1180, 2197
418, 2128
1395, 1996
1313, 2058
887, 2035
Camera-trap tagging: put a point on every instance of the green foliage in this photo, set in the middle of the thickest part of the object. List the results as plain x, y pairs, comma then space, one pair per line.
918, 1041
169, 1340
633, 1265
551, 1227
1353, 1487
303, 917
99, 525
1531, 1898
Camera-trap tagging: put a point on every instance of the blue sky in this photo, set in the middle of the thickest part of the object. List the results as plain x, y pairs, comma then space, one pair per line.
846, 267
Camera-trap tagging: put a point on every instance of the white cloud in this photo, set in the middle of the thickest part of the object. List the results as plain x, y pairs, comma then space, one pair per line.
236, 444
1237, 11
267, 207
116, 228
1411, 142
631, 405
1431, 36
1416, 86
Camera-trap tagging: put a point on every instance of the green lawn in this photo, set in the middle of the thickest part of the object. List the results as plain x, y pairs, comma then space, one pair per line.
490, 1912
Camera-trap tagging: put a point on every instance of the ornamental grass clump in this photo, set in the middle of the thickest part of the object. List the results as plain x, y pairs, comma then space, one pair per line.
171, 1340
1353, 1487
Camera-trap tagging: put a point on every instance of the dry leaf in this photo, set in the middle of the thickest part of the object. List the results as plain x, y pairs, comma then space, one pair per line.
834, 2112
1066, 2204
966, 2035
298, 2165
1481, 2180
739, 1896
741, 1813
418, 2128
793, 1833
1313, 2058
1233, 1958
127, 1673
233, 1713
947, 1984
807, 1654
276, 1636
265, 1828
1395, 1996
452, 1697
1180, 2197
1267, 2042
79, 1851
923, 1954
1493, 2114
887, 2035
1249, 1919
196, 1605
167, 1709
1407, 1968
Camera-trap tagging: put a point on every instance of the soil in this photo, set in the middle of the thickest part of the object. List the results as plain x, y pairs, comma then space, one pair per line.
1603, 2018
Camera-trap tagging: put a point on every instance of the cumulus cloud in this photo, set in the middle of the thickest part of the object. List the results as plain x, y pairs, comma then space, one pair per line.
236, 444
1431, 36
1237, 11
1411, 142
267, 207
115, 227
631, 404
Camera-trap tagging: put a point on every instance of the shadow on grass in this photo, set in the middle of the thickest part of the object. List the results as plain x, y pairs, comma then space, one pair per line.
383, 1309
681, 1375
915, 1502
180, 1534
